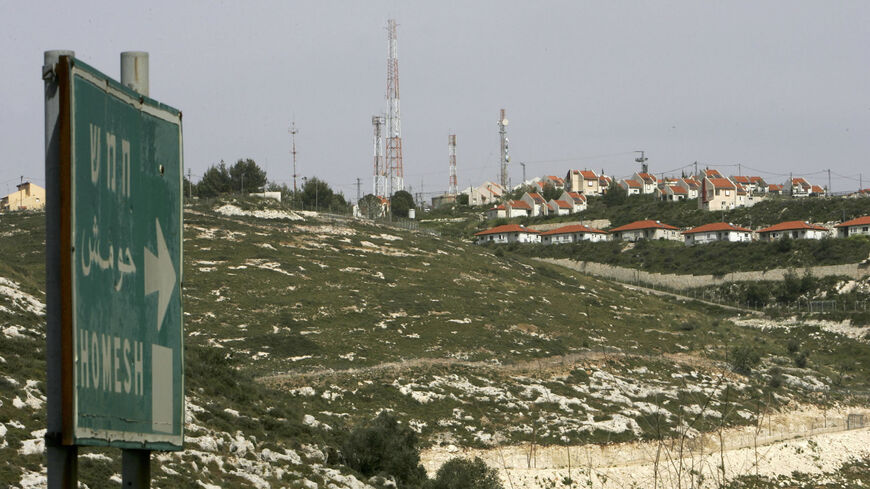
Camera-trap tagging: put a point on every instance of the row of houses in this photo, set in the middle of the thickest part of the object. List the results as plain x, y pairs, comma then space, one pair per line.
533, 204
656, 230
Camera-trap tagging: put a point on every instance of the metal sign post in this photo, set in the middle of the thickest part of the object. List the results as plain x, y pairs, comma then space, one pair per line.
117, 227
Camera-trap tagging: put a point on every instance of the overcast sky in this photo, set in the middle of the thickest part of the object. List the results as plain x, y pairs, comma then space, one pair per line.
776, 87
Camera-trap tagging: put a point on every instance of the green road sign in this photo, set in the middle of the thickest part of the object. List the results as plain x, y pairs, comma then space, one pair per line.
123, 288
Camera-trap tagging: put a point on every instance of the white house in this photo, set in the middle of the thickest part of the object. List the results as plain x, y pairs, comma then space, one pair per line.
561, 207
648, 181
517, 208
691, 185
572, 234
536, 203
631, 186
793, 230
584, 182
671, 193
486, 193
577, 201
717, 231
497, 212
860, 225
508, 233
648, 229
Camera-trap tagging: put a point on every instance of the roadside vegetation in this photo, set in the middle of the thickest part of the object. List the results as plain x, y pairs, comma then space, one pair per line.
719, 258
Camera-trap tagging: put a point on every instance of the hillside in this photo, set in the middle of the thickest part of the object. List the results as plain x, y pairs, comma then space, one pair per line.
300, 327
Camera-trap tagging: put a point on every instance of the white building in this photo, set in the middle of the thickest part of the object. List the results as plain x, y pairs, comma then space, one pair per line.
854, 227
572, 234
647, 229
717, 231
508, 233
793, 230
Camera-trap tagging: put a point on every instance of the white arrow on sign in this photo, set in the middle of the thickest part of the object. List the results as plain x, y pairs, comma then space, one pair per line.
159, 275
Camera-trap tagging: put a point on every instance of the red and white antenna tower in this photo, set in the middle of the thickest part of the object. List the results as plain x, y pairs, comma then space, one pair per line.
396, 179
453, 187
379, 185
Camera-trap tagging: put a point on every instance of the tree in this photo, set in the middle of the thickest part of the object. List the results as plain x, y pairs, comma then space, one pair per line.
615, 195
550, 192
386, 448
462, 199
462, 473
188, 189
316, 194
215, 181
370, 206
401, 203
246, 176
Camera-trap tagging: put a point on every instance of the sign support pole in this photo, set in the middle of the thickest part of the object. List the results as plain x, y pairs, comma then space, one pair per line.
135, 464
62, 463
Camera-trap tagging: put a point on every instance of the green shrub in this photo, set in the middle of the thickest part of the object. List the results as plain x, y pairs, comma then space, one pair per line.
744, 359
384, 447
462, 473
776, 379
800, 360
793, 345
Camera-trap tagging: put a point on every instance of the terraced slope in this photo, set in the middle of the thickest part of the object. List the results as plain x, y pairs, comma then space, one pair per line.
300, 326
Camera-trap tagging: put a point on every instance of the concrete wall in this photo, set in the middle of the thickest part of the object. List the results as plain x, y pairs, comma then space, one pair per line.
683, 282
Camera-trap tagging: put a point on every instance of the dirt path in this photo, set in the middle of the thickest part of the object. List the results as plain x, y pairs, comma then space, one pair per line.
538, 365
807, 440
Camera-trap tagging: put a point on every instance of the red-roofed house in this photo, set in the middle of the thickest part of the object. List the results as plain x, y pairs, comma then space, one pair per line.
691, 185
573, 234
717, 194
486, 193
648, 229
517, 208
561, 207
647, 180
671, 193
604, 183
497, 212
508, 233
860, 225
793, 230
774, 189
555, 181
577, 201
817, 191
537, 203
584, 182
717, 231
864, 192
631, 186
753, 185
708, 173
800, 187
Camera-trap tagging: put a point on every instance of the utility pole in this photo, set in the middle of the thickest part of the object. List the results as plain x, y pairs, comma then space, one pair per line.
524, 172
790, 185
358, 195
189, 186
293, 132
696, 170
828, 190
242, 190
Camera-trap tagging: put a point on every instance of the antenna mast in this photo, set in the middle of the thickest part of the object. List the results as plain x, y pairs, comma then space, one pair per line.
379, 187
505, 157
453, 186
396, 180
293, 132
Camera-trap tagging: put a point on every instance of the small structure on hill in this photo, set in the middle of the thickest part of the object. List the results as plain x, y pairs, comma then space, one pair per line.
573, 234
29, 196
854, 227
647, 229
793, 230
717, 231
508, 233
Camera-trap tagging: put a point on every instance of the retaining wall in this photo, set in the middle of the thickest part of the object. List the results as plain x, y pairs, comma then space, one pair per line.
683, 282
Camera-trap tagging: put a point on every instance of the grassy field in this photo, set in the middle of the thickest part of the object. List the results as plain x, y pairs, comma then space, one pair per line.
299, 327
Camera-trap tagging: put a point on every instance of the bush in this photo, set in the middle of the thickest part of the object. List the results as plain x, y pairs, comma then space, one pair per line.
800, 360
776, 379
384, 447
793, 346
462, 473
744, 359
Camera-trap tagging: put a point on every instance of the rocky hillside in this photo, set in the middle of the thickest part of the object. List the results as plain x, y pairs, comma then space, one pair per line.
300, 326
